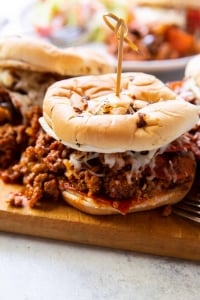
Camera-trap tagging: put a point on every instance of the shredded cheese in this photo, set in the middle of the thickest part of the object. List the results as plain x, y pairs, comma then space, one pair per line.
137, 161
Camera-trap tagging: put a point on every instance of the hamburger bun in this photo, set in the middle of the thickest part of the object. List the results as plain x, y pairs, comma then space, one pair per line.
34, 54
104, 122
29, 65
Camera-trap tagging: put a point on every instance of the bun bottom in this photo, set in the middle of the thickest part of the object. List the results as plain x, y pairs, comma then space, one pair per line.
98, 206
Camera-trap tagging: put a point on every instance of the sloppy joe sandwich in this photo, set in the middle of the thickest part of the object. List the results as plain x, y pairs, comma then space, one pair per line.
191, 82
27, 67
188, 89
123, 153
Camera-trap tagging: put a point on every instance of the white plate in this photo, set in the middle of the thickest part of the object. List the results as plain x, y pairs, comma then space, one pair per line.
149, 66
166, 65
155, 67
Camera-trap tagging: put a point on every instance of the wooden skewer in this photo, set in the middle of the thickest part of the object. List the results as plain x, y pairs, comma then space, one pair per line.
120, 29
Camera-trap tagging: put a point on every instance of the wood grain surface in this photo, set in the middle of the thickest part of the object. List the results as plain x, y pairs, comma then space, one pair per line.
146, 232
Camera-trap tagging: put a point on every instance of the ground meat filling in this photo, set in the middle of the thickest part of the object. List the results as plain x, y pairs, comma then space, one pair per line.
21, 96
169, 171
14, 139
39, 170
16, 131
47, 168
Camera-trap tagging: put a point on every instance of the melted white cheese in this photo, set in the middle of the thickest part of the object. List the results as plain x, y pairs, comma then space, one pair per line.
137, 160
112, 159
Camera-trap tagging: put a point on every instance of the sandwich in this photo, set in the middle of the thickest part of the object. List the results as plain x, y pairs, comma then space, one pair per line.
120, 154
27, 67
188, 89
160, 29
191, 81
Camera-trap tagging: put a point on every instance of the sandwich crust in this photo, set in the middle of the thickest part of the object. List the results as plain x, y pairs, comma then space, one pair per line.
37, 55
96, 206
85, 114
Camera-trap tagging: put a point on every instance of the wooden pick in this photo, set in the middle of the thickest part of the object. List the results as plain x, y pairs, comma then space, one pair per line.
120, 29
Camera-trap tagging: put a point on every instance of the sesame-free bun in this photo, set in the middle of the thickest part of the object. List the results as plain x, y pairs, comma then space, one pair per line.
85, 114
192, 69
97, 206
30, 53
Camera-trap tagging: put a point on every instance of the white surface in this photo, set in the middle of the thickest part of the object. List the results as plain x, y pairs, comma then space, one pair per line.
32, 269
166, 65
40, 269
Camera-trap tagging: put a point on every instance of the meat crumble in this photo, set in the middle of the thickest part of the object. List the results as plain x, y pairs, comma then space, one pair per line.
38, 170
46, 169
14, 139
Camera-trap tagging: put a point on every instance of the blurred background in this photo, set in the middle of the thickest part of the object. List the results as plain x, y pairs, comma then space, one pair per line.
167, 33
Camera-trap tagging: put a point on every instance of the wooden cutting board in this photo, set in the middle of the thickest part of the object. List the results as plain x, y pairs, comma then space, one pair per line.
146, 232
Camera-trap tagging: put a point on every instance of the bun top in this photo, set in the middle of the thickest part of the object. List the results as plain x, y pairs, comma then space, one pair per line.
192, 69
35, 54
85, 114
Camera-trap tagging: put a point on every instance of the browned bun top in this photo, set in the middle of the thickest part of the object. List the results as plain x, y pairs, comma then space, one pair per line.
85, 114
192, 69
34, 54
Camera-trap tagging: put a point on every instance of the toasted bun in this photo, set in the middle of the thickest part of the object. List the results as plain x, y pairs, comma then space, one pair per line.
102, 124
37, 55
96, 206
192, 70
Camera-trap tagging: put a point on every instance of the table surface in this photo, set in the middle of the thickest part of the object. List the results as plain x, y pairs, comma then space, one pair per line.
33, 268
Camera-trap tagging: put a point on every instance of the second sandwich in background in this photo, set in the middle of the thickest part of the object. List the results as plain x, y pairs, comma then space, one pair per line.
28, 66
